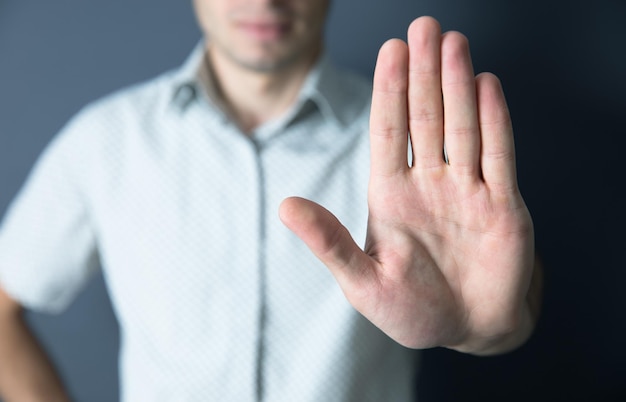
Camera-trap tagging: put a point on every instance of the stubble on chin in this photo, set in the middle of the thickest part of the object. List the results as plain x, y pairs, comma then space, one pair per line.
268, 64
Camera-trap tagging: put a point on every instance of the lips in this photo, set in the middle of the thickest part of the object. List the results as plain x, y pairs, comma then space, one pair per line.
264, 30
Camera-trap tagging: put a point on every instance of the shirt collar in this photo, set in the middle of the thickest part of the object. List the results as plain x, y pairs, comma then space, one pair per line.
323, 86
185, 83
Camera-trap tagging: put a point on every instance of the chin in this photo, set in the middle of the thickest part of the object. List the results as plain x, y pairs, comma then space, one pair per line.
265, 64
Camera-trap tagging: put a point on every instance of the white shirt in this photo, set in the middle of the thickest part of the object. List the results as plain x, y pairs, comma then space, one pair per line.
216, 299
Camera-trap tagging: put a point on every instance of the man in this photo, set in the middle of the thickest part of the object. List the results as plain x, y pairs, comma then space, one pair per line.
173, 186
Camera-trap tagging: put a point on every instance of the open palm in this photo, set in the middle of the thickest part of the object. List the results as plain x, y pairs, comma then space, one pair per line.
449, 252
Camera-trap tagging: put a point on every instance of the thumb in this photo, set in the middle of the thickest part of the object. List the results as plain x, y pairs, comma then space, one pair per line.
329, 240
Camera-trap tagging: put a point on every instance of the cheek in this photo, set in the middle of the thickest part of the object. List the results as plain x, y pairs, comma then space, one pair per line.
211, 14
314, 15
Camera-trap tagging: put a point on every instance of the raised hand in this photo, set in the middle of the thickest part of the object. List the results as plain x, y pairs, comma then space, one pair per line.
449, 253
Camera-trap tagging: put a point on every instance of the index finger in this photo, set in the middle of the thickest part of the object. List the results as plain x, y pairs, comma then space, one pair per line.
388, 120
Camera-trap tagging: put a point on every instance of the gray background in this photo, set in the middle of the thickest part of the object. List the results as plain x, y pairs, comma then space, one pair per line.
562, 64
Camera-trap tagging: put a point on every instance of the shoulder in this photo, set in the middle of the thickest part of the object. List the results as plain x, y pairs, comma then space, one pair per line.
104, 133
131, 103
109, 119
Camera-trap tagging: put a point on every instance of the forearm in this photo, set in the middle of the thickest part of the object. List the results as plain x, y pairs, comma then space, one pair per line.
26, 373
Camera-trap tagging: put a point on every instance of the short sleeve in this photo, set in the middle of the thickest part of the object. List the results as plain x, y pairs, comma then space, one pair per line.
47, 242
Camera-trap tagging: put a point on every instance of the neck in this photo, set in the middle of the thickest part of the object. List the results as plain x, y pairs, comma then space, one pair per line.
255, 97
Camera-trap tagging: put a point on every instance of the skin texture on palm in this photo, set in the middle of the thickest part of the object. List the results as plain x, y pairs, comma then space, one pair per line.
449, 254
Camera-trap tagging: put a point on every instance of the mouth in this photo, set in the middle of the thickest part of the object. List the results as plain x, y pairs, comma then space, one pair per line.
264, 31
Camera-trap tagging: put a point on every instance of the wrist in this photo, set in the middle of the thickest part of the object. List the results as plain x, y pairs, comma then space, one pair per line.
522, 328
502, 343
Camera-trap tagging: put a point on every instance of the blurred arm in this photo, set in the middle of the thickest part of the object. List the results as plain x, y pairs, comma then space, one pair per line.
26, 373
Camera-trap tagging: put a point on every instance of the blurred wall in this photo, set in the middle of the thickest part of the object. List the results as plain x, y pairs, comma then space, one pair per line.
563, 66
